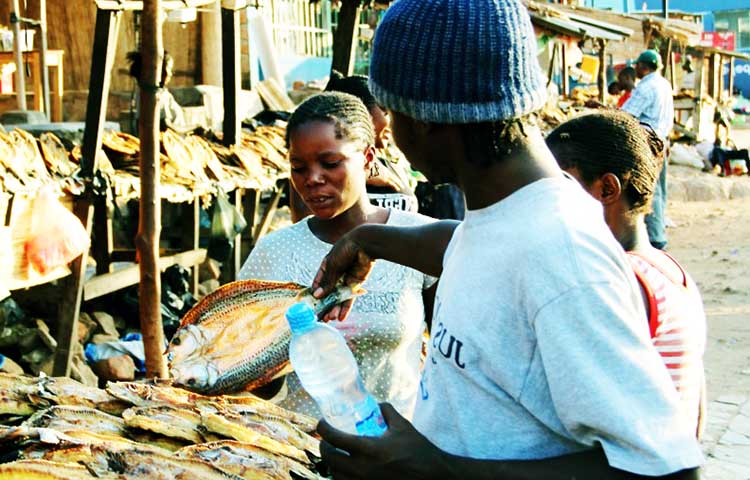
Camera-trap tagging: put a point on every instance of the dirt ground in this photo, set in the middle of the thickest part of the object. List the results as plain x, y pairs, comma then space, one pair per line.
712, 240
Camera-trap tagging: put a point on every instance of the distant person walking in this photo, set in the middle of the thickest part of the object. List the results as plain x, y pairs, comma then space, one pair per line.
652, 104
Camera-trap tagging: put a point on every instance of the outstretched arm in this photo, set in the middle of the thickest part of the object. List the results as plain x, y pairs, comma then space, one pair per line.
421, 248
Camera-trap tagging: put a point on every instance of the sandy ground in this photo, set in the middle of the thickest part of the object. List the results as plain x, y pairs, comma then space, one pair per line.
712, 241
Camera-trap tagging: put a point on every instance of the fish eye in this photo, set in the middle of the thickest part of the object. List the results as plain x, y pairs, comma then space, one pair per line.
176, 341
191, 382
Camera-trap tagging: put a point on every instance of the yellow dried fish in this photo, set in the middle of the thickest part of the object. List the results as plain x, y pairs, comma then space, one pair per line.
14, 394
55, 155
270, 426
45, 470
167, 420
26, 147
64, 418
230, 425
66, 391
247, 460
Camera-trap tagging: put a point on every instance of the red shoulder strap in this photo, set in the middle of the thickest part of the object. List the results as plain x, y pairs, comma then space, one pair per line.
653, 309
681, 281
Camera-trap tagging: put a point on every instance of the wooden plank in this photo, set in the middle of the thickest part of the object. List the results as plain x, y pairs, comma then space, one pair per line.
70, 305
231, 66
602, 77
101, 285
105, 46
117, 5
345, 37
265, 223
103, 241
565, 77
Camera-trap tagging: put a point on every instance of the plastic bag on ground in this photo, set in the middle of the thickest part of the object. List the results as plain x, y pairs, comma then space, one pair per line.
131, 344
57, 236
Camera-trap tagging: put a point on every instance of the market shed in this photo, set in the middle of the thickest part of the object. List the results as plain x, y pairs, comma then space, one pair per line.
696, 108
564, 28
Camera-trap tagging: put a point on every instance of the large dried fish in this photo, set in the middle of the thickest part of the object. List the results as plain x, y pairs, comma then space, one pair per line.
247, 460
65, 418
55, 155
66, 391
180, 423
45, 470
14, 394
230, 425
237, 338
26, 147
277, 428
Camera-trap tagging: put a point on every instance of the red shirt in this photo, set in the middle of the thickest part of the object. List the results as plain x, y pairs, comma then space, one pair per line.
678, 327
624, 98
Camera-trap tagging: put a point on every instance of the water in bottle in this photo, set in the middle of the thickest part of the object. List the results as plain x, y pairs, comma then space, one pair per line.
327, 370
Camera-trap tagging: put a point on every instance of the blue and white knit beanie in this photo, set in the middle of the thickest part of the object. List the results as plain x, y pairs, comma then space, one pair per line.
457, 61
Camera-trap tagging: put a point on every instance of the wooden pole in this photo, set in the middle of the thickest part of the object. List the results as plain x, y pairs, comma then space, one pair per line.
565, 78
43, 57
552, 63
149, 226
231, 65
730, 79
20, 78
602, 80
103, 54
210, 45
345, 37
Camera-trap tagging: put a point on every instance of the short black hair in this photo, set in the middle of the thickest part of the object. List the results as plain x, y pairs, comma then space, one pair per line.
614, 88
628, 72
136, 63
353, 85
491, 142
346, 112
611, 141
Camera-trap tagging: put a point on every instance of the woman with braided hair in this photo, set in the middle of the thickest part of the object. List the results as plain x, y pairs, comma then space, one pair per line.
618, 162
389, 183
331, 149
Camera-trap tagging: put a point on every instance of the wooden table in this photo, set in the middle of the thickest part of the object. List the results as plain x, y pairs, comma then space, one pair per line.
54, 59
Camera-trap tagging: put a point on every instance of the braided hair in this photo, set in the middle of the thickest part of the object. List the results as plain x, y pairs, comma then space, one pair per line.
347, 113
611, 141
354, 85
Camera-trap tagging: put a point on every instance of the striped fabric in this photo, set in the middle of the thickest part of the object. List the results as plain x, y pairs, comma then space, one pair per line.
457, 61
678, 328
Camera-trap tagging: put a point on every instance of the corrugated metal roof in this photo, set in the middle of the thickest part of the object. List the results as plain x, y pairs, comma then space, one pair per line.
578, 26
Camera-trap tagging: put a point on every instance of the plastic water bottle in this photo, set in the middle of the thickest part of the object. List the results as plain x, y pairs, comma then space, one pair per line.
327, 369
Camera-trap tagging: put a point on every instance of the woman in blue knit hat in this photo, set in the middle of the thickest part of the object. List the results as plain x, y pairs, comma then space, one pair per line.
540, 365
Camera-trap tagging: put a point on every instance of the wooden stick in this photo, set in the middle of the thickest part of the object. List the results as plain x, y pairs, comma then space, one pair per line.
345, 37
602, 80
149, 225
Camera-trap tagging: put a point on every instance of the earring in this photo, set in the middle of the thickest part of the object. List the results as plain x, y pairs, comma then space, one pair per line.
374, 169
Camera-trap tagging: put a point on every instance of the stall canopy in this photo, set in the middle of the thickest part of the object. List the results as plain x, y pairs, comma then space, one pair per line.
565, 26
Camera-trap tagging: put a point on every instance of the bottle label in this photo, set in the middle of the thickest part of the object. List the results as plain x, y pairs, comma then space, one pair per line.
372, 423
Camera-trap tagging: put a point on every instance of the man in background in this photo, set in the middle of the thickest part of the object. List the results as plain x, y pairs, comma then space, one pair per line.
652, 104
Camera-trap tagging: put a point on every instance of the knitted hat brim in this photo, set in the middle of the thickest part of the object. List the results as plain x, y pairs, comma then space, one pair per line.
458, 113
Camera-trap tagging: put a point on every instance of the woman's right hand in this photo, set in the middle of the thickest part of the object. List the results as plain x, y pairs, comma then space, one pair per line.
348, 262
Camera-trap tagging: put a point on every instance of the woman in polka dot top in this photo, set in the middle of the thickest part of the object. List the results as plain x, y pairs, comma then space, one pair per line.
331, 150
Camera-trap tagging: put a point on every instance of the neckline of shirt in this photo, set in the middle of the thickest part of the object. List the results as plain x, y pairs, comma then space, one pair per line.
516, 200
391, 214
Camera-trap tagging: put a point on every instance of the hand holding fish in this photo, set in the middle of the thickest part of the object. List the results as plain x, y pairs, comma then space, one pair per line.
402, 452
346, 261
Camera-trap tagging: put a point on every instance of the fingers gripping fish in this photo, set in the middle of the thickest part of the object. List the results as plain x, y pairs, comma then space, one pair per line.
237, 338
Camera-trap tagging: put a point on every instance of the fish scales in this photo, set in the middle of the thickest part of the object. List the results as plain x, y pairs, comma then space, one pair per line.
237, 338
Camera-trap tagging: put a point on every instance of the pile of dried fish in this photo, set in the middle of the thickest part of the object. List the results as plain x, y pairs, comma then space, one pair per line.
147, 431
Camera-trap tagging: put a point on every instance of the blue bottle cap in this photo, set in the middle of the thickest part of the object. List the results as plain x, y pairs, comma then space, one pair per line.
301, 317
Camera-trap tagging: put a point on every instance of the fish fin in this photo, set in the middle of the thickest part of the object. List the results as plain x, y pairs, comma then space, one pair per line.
194, 315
